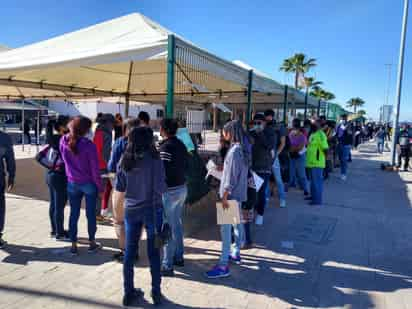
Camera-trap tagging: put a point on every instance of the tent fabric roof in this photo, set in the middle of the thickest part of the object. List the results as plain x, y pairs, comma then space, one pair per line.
126, 55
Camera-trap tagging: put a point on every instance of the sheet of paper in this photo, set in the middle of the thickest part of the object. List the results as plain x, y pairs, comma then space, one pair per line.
258, 181
230, 215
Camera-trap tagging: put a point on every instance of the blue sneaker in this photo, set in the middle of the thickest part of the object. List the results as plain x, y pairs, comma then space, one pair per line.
218, 272
235, 259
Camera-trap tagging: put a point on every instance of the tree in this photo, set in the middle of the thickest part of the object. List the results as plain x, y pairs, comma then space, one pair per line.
322, 94
298, 64
355, 103
328, 96
362, 112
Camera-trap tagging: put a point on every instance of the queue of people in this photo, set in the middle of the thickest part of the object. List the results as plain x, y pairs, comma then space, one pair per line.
135, 182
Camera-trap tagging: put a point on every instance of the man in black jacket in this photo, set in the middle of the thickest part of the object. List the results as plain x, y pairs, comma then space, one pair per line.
262, 159
6, 156
174, 156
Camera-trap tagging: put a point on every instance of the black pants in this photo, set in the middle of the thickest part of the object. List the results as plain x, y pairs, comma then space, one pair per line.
405, 153
2, 206
57, 183
261, 198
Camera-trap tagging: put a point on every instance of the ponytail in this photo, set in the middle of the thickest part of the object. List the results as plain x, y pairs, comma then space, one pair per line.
78, 128
49, 131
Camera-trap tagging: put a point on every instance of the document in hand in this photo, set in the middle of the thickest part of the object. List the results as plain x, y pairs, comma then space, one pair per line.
230, 215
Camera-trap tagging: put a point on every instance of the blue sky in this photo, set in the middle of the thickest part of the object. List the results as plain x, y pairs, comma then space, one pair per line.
352, 39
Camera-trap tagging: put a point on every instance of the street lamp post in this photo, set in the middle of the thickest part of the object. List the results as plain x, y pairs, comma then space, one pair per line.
399, 79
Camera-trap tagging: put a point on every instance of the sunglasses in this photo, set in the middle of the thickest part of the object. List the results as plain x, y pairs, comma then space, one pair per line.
258, 123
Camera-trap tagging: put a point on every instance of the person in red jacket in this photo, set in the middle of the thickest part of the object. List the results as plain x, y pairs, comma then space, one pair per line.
103, 138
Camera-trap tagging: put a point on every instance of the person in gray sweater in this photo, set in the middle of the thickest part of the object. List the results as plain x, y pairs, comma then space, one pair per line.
233, 186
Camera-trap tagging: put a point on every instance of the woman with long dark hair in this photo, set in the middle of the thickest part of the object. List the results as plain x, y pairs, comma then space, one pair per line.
56, 178
82, 168
142, 181
233, 186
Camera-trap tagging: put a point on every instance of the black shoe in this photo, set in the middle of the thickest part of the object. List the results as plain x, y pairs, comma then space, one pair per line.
132, 298
52, 234
167, 272
2, 243
157, 298
306, 193
63, 237
93, 247
308, 198
74, 251
179, 263
119, 257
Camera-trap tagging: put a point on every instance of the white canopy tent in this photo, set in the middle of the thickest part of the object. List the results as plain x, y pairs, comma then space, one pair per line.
133, 57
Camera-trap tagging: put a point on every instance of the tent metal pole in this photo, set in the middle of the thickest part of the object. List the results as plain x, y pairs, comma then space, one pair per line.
318, 112
399, 82
22, 124
285, 104
38, 131
249, 97
171, 59
127, 96
305, 114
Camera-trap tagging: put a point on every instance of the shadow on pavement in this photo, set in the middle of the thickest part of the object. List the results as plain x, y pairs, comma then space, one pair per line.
82, 300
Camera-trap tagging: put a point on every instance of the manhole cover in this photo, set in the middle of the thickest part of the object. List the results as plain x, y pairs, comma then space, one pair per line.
312, 228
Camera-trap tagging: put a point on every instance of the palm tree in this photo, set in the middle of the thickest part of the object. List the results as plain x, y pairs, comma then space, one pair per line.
310, 83
362, 112
298, 64
328, 96
355, 103
318, 92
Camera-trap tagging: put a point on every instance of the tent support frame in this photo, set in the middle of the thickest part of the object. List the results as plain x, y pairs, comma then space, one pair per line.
127, 96
285, 104
249, 97
171, 59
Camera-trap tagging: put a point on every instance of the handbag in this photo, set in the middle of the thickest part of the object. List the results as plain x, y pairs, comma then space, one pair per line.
163, 231
50, 158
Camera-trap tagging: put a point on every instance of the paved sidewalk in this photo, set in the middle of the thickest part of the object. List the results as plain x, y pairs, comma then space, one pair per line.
355, 252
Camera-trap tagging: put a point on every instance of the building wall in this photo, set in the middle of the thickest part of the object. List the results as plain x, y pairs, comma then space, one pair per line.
91, 109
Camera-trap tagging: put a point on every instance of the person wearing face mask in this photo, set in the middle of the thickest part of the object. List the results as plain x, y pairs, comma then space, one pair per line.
404, 148
280, 159
345, 139
262, 160
103, 139
174, 155
316, 162
50, 158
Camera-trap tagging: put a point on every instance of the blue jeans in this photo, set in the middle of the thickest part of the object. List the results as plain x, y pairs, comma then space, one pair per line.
316, 185
76, 193
134, 219
344, 155
57, 183
279, 181
297, 169
381, 143
173, 205
226, 235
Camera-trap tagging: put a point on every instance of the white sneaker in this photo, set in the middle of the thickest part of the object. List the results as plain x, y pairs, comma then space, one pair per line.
282, 204
343, 177
259, 220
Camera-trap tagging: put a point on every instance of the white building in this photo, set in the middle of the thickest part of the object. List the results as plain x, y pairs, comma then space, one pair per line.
385, 113
90, 108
